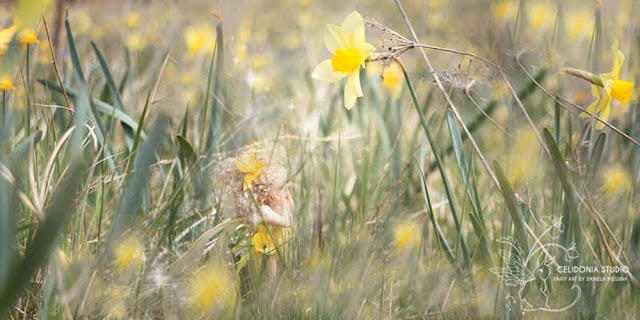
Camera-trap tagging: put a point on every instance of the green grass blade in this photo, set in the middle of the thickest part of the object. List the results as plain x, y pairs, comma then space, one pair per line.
512, 207
443, 174
39, 247
100, 106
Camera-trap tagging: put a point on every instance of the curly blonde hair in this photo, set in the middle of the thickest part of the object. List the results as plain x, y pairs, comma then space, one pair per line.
269, 189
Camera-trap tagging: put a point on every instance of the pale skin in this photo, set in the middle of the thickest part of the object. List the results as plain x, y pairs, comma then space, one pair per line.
278, 214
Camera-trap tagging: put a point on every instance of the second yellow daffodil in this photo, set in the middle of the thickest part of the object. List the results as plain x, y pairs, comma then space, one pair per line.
612, 87
350, 51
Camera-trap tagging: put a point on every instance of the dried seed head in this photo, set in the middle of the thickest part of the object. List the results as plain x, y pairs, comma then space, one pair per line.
395, 43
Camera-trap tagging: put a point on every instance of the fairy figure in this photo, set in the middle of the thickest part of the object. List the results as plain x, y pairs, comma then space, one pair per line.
253, 186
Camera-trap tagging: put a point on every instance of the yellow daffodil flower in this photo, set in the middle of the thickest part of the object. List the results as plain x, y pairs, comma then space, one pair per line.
612, 87
198, 38
211, 289
539, 15
135, 42
264, 244
28, 37
5, 38
579, 23
6, 84
406, 235
251, 166
616, 179
392, 78
133, 20
503, 10
128, 253
350, 51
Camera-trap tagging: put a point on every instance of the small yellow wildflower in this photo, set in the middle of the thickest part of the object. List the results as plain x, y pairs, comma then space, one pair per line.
81, 23
133, 20
392, 77
29, 36
406, 235
5, 38
523, 158
504, 9
251, 166
579, 23
350, 51
211, 289
612, 87
117, 298
128, 253
135, 42
616, 179
187, 78
198, 38
263, 243
539, 15
6, 84
434, 4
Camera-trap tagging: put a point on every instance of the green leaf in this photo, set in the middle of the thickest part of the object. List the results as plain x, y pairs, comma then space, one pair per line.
40, 246
186, 149
443, 174
114, 91
596, 154
100, 106
512, 207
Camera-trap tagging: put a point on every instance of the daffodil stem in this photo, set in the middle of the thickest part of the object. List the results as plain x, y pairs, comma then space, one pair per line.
436, 153
28, 65
4, 107
447, 98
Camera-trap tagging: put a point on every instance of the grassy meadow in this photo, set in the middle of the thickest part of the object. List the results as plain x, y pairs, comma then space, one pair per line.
436, 159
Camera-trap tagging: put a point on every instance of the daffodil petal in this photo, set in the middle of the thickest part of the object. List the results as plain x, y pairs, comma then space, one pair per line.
334, 38
605, 100
324, 72
604, 115
618, 59
353, 28
591, 109
352, 89
365, 50
349, 97
354, 83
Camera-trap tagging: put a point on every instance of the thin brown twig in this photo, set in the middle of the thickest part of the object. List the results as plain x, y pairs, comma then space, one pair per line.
452, 106
473, 101
526, 114
612, 257
55, 65
463, 53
